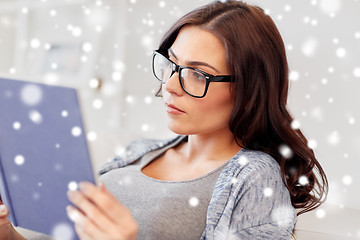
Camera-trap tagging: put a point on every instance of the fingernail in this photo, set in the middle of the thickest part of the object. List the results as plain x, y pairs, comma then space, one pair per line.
3, 209
72, 214
84, 186
102, 186
71, 194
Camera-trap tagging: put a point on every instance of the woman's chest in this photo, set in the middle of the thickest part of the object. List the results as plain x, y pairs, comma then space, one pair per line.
172, 167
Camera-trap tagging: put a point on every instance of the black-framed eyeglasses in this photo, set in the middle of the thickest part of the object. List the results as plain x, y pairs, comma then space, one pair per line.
193, 81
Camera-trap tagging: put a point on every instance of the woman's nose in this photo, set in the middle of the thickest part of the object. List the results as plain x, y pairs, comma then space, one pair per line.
172, 85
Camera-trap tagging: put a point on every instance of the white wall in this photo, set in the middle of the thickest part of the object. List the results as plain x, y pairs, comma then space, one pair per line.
323, 45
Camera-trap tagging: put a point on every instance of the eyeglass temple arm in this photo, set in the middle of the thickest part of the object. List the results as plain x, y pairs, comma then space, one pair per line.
225, 78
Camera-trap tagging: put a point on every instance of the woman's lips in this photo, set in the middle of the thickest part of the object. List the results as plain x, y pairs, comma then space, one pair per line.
170, 108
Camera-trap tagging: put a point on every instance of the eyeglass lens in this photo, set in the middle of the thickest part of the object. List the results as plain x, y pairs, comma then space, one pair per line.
192, 81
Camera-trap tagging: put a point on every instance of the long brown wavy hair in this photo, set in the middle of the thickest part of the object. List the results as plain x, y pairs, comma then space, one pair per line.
256, 59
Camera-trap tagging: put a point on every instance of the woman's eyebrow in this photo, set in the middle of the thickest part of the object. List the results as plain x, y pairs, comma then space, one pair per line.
194, 63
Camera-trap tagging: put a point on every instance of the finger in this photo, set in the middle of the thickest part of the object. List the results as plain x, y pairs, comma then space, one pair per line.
3, 210
85, 228
80, 232
105, 201
3, 214
91, 211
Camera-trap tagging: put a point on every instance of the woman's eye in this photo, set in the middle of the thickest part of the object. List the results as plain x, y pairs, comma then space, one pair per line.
198, 76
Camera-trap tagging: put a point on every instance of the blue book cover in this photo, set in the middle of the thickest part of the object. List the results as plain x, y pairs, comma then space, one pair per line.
43, 153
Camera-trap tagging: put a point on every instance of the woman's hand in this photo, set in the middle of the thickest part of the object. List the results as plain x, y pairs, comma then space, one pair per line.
6, 229
101, 215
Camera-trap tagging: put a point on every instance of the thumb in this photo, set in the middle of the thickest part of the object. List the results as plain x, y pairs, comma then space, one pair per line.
3, 213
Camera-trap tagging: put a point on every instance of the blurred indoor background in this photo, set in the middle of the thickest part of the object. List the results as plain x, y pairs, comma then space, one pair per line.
103, 48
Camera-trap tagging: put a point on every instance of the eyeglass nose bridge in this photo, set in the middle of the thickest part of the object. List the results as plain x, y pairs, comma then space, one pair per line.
174, 68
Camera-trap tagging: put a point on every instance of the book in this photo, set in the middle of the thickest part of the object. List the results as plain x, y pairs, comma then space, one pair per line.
43, 154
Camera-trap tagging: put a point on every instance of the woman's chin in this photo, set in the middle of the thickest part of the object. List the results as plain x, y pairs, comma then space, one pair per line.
180, 130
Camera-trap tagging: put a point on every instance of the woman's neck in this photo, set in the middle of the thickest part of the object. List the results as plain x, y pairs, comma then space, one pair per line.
209, 147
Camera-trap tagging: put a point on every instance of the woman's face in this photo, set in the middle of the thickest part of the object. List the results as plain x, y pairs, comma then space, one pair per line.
198, 48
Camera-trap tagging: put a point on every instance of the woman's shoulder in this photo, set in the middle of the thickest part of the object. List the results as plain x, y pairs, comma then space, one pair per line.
253, 163
253, 195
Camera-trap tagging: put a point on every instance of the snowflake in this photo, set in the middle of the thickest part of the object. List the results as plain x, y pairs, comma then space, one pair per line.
53, 12
351, 120
35, 117
147, 41
72, 186
12, 70
295, 124
268, 192
324, 81
36, 196
285, 151
116, 76
51, 78
294, 76
24, 10
303, 180
243, 160
309, 47
356, 72
75, 216
62, 231
287, 8
87, 47
76, 131
126, 180
76, 31
54, 66
330, 7
340, 52
31, 94
91, 136
119, 66
47, 46
314, 22
148, 100
97, 103
317, 114
162, 4
16, 125
130, 99
35, 43
312, 144
94, 83
234, 180
14, 178
333, 138
19, 160
320, 213
194, 201
145, 127
347, 180
64, 113
282, 215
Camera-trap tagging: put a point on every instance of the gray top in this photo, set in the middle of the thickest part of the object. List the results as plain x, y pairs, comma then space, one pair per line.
163, 209
249, 201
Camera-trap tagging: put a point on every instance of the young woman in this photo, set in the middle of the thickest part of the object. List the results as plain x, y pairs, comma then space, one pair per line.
234, 170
